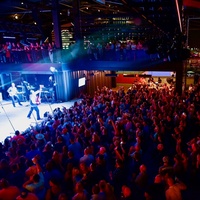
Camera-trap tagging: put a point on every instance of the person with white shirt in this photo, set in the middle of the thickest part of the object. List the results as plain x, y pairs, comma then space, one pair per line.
34, 102
13, 93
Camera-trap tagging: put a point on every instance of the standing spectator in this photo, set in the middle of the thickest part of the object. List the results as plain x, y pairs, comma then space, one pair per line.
44, 52
55, 189
126, 193
156, 191
33, 152
87, 158
35, 183
118, 50
19, 52
174, 189
13, 53
33, 52
118, 177
102, 190
7, 50
38, 52
80, 193
50, 50
95, 191
8, 192
89, 51
18, 136
28, 54
75, 148
99, 51
55, 52
2, 54
26, 195
141, 181
17, 176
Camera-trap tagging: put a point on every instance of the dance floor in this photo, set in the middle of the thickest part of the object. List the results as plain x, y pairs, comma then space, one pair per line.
15, 118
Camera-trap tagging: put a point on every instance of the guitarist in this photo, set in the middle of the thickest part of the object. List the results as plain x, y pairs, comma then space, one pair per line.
13, 93
34, 102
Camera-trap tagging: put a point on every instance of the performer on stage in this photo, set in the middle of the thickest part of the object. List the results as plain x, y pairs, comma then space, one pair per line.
34, 102
27, 87
13, 93
52, 89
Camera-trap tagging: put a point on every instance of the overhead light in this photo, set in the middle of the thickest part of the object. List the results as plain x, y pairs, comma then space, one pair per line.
16, 16
9, 37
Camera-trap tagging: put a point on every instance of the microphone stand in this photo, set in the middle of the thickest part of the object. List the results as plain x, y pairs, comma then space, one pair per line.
46, 98
34, 118
7, 116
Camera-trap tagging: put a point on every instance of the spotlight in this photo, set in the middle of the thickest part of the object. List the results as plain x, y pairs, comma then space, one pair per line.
16, 16
53, 69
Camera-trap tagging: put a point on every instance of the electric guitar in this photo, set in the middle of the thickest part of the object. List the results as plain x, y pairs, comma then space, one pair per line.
38, 96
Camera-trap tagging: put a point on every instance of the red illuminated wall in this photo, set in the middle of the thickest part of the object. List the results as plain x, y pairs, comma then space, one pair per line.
121, 79
192, 3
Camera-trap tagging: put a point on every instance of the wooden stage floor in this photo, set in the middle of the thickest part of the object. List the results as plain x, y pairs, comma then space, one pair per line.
12, 119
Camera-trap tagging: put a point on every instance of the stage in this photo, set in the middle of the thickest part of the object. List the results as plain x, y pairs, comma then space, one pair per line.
15, 118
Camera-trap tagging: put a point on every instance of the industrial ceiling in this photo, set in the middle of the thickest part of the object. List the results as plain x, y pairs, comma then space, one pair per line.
146, 18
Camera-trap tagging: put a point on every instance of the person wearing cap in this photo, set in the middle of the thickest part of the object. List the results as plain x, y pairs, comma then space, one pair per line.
34, 102
40, 142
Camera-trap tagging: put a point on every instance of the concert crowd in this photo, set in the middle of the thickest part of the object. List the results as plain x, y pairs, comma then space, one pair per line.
47, 52
135, 144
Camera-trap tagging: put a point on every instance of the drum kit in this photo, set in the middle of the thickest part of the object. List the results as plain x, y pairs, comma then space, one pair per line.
47, 94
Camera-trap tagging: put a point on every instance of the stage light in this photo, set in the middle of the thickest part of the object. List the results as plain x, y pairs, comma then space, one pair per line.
53, 69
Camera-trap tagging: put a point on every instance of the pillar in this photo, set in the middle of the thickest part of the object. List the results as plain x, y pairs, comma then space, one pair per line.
179, 76
56, 23
113, 79
77, 20
35, 14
